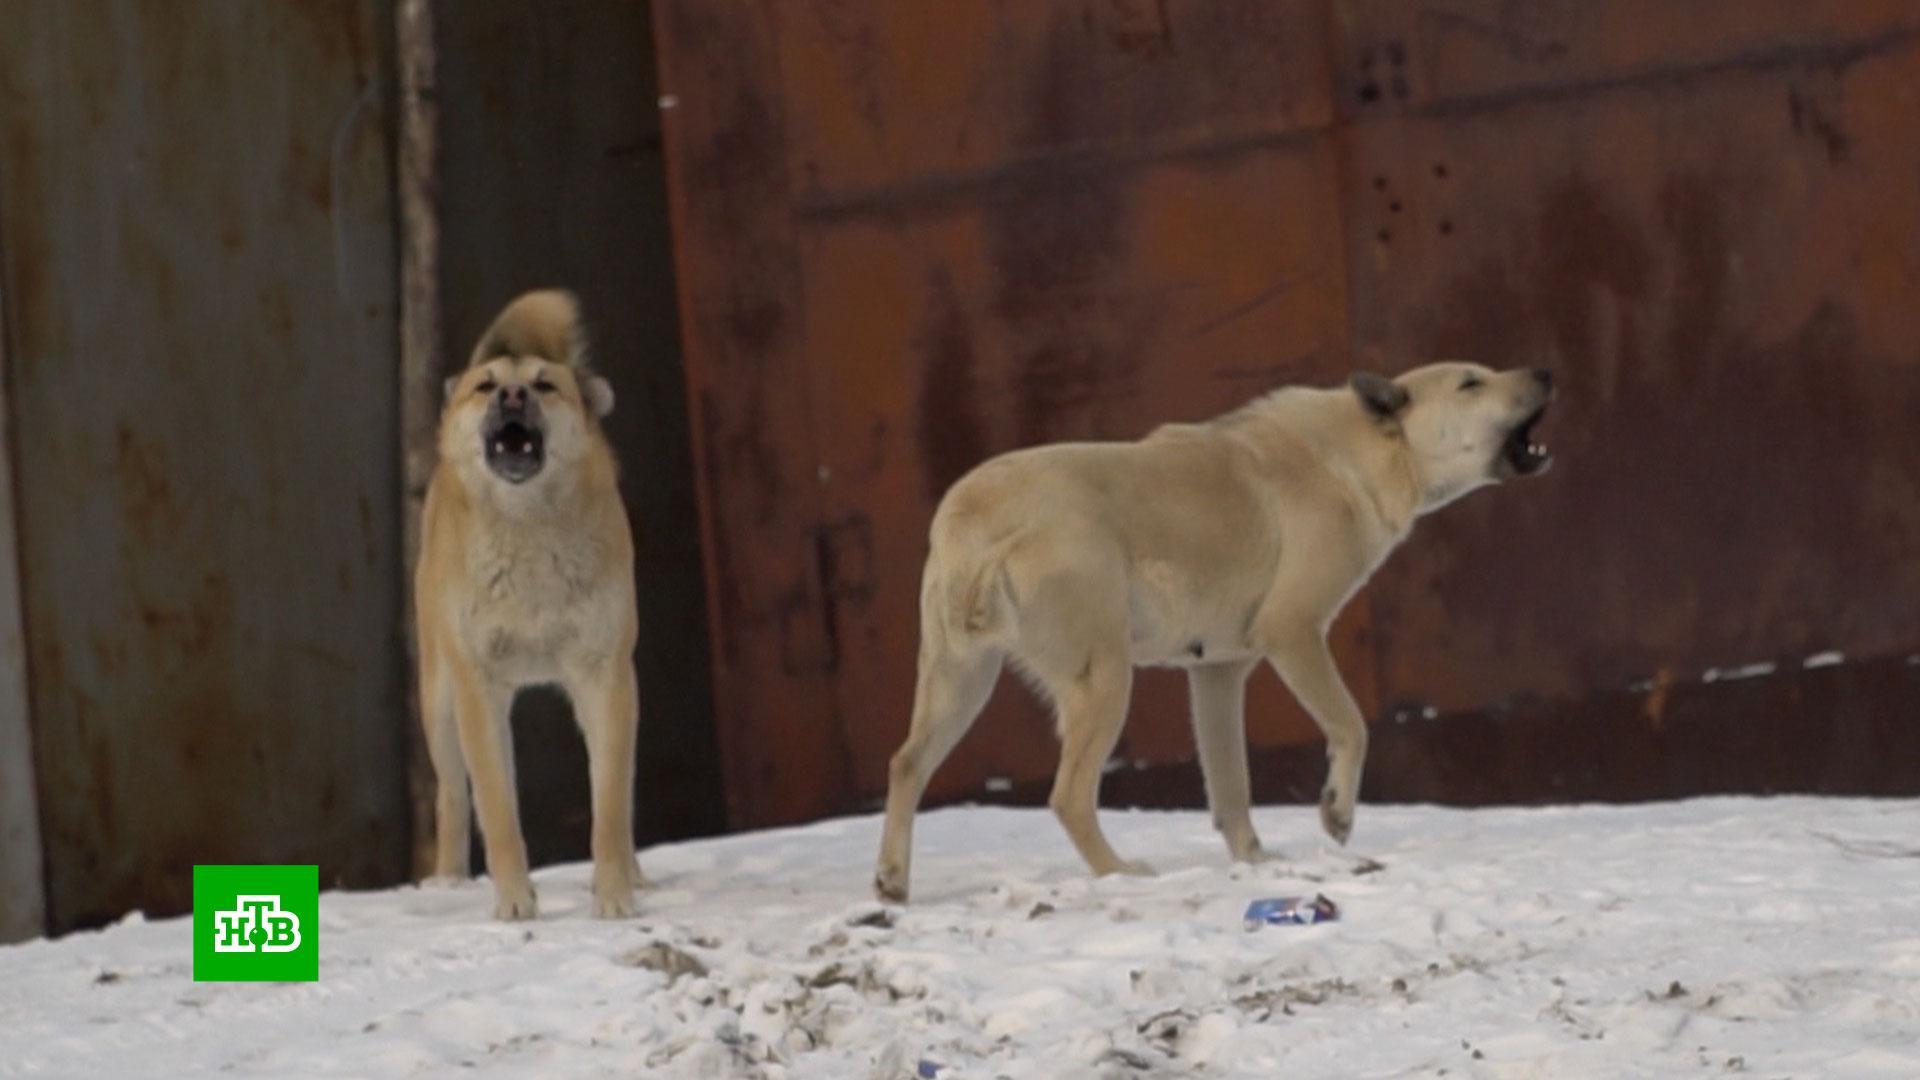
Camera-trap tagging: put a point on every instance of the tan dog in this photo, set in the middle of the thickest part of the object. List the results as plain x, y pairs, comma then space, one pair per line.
526, 577
1205, 546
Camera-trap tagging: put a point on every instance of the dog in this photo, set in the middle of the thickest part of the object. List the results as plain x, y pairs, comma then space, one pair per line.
525, 577
1209, 546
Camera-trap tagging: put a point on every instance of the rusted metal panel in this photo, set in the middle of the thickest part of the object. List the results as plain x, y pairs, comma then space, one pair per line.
914, 236
948, 232
1724, 264
200, 283
23, 907
742, 326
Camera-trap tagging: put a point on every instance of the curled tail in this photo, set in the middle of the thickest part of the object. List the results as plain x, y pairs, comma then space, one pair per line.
543, 323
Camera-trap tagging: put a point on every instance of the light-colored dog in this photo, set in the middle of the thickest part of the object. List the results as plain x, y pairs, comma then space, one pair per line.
1206, 546
526, 577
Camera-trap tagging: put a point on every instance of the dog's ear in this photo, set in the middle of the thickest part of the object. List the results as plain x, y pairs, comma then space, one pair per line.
1382, 396
598, 393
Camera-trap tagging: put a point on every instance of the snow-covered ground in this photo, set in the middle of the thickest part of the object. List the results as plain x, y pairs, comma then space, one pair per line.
1776, 937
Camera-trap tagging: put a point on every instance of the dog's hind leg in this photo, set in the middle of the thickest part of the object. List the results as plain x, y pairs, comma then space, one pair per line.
606, 702
453, 803
1218, 694
951, 690
1093, 708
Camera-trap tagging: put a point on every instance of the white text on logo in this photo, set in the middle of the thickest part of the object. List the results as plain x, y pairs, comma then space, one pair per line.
256, 924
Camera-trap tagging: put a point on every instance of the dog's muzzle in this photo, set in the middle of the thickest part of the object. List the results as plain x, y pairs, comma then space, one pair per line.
1521, 454
514, 435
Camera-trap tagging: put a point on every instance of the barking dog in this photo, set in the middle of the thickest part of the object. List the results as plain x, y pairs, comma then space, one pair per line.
526, 577
1208, 546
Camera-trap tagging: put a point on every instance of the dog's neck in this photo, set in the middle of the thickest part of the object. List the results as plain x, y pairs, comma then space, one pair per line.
1333, 429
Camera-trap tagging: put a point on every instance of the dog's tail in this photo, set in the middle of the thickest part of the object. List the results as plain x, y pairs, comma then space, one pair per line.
978, 601
543, 323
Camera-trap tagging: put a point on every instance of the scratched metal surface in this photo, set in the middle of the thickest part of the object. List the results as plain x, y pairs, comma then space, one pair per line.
910, 237
199, 261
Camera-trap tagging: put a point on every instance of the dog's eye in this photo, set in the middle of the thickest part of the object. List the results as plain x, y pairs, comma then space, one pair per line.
544, 386
487, 386
1471, 382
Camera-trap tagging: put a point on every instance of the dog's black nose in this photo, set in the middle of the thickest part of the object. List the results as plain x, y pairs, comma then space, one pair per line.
1543, 377
513, 397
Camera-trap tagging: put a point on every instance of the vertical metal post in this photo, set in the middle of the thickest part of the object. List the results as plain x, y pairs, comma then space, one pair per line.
23, 908
420, 361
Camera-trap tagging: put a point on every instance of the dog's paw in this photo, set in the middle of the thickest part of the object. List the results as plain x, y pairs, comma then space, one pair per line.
1335, 818
613, 884
613, 904
1129, 868
1250, 852
514, 902
890, 885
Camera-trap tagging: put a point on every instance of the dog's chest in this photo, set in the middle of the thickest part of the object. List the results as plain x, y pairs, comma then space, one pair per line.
535, 603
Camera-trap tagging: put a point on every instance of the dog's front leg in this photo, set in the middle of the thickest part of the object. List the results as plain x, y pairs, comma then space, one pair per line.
606, 701
1305, 664
481, 708
1219, 702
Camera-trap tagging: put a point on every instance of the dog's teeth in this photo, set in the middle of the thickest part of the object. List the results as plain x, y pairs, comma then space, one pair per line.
500, 447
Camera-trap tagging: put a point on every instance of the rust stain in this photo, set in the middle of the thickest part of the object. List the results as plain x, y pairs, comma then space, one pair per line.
146, 492
1809, 117
197, 629
368, 538
953, 427
305, 175
1655, 706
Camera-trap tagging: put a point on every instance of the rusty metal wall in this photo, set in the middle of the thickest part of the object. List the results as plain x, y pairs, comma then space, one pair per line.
550, 173
200, 284
1711, 226
911, 236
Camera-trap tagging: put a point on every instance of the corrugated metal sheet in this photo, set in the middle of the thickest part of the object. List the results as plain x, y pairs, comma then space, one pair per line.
200, 283
912, 236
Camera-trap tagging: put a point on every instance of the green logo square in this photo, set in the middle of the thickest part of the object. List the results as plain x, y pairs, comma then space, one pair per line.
256, 924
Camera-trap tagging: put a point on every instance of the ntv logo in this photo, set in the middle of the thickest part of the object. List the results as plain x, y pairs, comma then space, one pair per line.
256, 924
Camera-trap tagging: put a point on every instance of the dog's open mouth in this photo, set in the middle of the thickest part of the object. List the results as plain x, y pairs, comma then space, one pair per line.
1522, 453
515, 451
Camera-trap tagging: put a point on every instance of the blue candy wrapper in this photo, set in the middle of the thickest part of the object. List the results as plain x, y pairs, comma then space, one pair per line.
1291, 911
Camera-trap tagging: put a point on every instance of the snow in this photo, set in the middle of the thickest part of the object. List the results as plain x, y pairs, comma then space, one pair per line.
1773, 937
